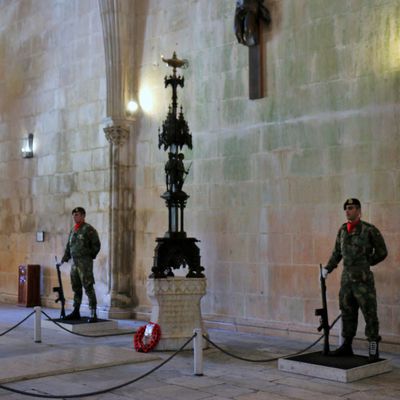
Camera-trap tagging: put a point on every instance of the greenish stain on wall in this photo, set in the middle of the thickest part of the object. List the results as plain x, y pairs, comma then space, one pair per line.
308, 162
320, 9
235, 84
205, 145
240, 146
234, 111
236, 169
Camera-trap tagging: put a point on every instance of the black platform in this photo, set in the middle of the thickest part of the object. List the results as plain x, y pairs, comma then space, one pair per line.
81, 325
339, 369
347, 362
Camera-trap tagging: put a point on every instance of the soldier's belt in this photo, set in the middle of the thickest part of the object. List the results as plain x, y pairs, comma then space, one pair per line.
82, 259
350, 268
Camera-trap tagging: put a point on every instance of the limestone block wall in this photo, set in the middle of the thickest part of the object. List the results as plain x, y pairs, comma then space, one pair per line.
269, 177
52, 83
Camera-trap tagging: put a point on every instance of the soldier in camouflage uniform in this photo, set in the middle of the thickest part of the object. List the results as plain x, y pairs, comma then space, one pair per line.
361, 245
83, 246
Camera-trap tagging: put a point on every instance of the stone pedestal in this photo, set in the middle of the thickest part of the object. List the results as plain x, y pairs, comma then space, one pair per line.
176, 308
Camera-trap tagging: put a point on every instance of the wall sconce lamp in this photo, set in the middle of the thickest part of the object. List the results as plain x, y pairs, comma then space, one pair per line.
40, 236
27, 146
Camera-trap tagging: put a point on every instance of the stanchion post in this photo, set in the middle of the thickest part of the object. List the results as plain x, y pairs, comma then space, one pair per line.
198, 352
38, 325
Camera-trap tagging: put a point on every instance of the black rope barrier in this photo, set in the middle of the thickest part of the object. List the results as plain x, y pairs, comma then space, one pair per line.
19, 323
99, 392
74, 396
84, 335
273, 358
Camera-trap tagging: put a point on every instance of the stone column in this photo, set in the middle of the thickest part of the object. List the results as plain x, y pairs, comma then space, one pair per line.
121, 217
118, 21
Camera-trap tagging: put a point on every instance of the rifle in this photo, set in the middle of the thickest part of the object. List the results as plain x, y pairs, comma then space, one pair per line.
59, 289
323, 314
187, 171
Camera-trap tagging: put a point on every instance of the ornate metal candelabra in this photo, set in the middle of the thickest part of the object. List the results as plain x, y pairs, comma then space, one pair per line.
175, 249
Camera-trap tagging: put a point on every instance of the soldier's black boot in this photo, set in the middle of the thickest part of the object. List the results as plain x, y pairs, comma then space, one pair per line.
373, 350
345, 349
93, 315
74, 316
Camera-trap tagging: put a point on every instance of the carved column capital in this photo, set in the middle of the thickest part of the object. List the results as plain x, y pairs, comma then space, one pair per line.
117, 130
116, 135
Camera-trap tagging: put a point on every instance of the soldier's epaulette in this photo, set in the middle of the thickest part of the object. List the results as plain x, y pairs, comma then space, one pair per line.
88, 228
367, 224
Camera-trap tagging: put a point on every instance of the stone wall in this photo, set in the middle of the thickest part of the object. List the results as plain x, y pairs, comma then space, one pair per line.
52, 83
269, 177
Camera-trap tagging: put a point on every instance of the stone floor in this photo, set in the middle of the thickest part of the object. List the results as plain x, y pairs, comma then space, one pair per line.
224, 377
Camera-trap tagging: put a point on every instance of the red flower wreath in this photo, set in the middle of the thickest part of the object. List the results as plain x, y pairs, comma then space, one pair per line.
138, 342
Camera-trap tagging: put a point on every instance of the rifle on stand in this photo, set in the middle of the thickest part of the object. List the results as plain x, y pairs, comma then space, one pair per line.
59, 289
323, 314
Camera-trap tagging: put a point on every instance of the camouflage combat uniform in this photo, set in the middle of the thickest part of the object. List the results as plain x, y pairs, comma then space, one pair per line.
361, 248
83, 246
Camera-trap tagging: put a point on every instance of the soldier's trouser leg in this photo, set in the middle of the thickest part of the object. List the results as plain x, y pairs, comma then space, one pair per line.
365, 294
91, 294
349, 308
87, 279
76, 285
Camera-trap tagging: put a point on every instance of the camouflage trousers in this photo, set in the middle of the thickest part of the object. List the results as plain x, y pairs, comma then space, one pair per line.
82, 275
358, 291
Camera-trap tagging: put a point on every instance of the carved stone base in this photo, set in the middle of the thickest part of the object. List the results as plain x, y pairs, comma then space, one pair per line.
176, 308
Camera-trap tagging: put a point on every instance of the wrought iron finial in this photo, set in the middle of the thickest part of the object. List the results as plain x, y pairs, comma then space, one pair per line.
175, 62
175, 130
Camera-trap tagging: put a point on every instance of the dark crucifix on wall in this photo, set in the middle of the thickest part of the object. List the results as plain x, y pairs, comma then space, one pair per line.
248, 30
